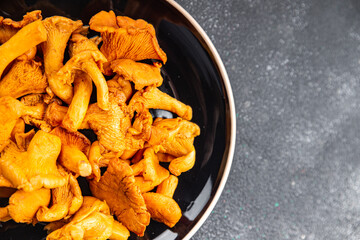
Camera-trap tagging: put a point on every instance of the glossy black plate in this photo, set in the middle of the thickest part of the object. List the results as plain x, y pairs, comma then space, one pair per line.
193, 74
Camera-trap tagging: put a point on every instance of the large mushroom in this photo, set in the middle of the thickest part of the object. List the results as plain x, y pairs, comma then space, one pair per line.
92, 221
124, 37
23, 205
23, 78
26, 38
117, 187
66, 200
74, 151
36, 167
85, 56
58, 30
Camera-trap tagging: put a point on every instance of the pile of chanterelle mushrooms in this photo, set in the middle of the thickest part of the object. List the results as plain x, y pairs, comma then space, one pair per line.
39, 167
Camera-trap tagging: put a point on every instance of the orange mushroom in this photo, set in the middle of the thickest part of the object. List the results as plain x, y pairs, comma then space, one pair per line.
34, 168
124, 37
66, 200
117, 187
10, 111
26, 38
58, 30
74, 150
23, 78
152, 97
162, 208
168, 186
92, 221
9, 28
23, 205
85, 56
80, 102
141, 74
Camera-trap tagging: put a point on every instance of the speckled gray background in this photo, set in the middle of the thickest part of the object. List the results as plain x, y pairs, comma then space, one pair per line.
294, 66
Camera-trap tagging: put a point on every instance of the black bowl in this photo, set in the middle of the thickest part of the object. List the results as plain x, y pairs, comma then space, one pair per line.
194, 74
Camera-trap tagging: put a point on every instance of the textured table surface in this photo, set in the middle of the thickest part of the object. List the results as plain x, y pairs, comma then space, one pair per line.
294, 67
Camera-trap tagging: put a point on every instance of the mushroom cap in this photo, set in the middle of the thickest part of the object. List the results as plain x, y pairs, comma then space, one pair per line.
141, 74
124, 37
75, 139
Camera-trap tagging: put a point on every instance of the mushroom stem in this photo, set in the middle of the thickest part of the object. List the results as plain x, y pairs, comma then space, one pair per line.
79, 104
75, 160
102, 92
119, 231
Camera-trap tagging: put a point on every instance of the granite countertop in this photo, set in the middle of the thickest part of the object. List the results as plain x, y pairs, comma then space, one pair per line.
294, 67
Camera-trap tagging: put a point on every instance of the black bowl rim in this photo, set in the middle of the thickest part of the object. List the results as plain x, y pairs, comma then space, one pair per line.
231, 119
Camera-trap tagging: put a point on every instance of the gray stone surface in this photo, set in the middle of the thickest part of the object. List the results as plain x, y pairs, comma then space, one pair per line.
294, 67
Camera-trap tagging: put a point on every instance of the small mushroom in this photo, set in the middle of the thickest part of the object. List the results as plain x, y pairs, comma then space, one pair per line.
168, 186
152, 97
74, 150
141, 74
120, 83
162, 208
183, 163
181, 134
149, 167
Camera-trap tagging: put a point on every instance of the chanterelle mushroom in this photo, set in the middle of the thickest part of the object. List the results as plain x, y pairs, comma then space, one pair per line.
180, 140
8, 27
162, 208
85, 56
92, 221
124, 37
10, 111
152, 97
80, 102
110, 126
26, 38
23, 78
36, 167
141, 74
117, 187
23, 205
58, 30
66, 200
149, 173
74, 150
